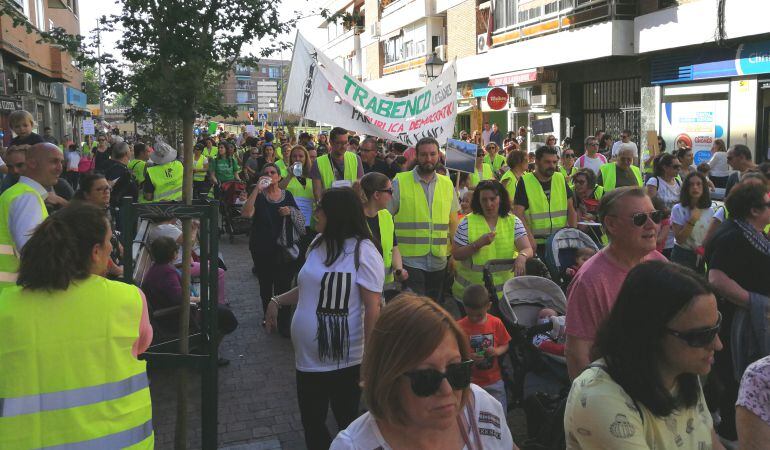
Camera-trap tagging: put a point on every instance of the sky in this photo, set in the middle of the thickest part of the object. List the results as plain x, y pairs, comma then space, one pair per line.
91, 10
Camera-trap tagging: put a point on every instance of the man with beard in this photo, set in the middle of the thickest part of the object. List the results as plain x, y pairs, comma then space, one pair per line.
424, 206
542, 199
338, 168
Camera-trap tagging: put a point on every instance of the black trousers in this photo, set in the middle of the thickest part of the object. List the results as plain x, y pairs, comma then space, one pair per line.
316, 391
422, 282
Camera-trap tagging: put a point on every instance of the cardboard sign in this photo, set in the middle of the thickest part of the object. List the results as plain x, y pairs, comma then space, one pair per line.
461, 156
88, 127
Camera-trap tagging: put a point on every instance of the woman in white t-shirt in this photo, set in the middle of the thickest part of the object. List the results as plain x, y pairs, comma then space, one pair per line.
417, 385
720, 170
690, 220
666, 186
338, 300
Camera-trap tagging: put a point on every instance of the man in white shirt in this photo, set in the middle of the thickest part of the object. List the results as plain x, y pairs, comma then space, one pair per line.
591, 159
485, 134
625, 138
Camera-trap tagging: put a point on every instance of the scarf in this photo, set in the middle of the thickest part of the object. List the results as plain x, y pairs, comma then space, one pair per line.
755, 238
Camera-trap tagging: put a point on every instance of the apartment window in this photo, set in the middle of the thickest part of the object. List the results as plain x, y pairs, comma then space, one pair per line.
275, 72
242, 97
551, 8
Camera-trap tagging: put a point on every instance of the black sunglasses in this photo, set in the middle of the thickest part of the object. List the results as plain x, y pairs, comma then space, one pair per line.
639, 219
426, 382
698, 338
389, 191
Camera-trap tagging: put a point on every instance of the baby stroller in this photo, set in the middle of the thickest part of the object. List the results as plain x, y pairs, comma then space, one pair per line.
230, 207
560, 249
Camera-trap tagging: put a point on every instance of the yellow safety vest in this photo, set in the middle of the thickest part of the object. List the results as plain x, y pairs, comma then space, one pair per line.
199, 164
545, 216
167, 179
421, 231
137, 166
210, 153
511, 185
9, 254
68, 378
385, 220
471, 270
282, 168
486, 174
327, 171
564, 171
609, 175
497, 163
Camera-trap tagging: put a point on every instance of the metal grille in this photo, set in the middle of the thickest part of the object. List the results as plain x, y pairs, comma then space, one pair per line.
612, 106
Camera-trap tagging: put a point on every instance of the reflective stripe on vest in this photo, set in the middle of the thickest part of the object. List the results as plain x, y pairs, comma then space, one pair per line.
327, 171
167, 179
609, 173
9, 260
486, 174
200, 164
93, 395
421, 230
385, 220
545, 216
471, 270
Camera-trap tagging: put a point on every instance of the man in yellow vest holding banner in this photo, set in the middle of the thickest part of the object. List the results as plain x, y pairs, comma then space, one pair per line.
22, 207
163, 181
424, 206
338, 167
622, 172
542, 199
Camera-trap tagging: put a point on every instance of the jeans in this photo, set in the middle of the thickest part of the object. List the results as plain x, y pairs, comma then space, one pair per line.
316, 391
497, 390
422, 282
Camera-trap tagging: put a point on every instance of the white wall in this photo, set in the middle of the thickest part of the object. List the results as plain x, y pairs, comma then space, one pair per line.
743, 112
696, 23
402, 13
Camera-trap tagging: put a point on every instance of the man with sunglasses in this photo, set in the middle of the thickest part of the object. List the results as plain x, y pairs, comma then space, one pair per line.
591, 159
625, 138
632, 225
621, 172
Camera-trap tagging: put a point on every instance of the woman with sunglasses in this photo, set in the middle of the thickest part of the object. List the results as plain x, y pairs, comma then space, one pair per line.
644, 391
416, 378
567, 164
666, 185
376, 192
690, 220
268, 206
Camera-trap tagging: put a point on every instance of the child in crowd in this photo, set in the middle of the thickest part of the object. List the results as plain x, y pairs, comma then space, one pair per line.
581, 256
22, 124
552, 341
465, 203
489, 339
705, 168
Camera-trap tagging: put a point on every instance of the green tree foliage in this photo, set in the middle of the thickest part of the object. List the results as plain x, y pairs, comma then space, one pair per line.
91, 81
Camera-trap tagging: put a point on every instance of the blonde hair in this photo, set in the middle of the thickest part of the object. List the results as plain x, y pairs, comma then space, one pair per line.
308, 164
408, 331
20, 116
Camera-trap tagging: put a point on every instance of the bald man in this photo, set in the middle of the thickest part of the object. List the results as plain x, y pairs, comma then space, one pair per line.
22, 206
622, 172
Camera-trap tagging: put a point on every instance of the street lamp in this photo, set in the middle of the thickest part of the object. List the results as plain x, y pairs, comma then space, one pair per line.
433, 66
271, 106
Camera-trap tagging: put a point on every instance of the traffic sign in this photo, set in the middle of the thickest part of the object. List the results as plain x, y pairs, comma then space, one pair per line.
262, 117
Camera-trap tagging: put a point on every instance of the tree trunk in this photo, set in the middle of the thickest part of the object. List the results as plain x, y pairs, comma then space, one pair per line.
184, 317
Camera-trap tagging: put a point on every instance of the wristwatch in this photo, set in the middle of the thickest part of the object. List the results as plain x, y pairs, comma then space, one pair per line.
274, 299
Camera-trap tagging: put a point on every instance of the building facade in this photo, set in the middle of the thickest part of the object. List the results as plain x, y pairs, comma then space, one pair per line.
40, 78
575, 67
257, 89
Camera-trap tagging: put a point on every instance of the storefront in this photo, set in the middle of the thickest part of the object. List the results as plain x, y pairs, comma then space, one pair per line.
76, 110
716, 94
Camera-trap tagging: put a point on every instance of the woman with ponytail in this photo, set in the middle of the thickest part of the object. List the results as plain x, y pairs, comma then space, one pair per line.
73, 336
376, 191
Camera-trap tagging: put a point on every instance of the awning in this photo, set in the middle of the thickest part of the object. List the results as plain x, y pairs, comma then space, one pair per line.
464, 109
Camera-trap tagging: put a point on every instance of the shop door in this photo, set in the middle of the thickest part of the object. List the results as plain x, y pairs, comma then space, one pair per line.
612, 106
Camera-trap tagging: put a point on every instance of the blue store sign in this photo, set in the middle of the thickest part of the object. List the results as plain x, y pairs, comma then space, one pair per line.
749, 59
77, 98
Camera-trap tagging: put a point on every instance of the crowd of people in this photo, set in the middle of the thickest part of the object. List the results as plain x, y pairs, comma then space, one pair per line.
358, 242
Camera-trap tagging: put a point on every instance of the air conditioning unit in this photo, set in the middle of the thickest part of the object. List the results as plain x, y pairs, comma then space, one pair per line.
374, 29
481, 43
24, 83
544, 100
441, 52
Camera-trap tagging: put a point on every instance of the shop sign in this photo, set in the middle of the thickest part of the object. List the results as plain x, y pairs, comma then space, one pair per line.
538, 75
696, 124
750, 58
481, 90
76, 98
44, 89
10, 105
497, 98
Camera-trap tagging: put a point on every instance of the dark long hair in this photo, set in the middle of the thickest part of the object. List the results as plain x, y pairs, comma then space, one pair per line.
631, 339
496, 187
344, 220
661, 162
59, 251
86, 184
684, 194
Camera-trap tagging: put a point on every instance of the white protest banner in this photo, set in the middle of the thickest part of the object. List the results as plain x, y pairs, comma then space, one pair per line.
88, 127
320, 90
461, 156
251, 130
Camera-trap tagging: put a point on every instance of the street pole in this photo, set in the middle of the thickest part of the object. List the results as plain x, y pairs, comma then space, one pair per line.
99, 65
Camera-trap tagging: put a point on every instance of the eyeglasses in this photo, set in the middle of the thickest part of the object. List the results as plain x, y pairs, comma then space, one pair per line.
698, 338
426, 382
389, 191
639, 219
569, 155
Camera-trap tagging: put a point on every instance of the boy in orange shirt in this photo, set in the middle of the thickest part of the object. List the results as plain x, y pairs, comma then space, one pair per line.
489, 339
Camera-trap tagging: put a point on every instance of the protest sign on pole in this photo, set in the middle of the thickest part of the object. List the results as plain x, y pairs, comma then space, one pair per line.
320, 90
251, 130
212, 128
461, 155
88, 127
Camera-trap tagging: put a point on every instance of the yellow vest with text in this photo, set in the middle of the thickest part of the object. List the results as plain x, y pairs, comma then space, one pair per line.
327, 171
471, 270
200, 164
609, 173
545, 216
486, 174
420, 230
68, 378
167, 179
9, 260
